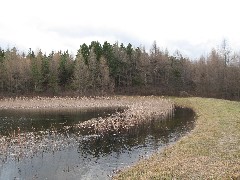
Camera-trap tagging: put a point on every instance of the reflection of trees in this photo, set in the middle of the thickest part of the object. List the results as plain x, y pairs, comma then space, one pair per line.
159, 131
33, 121
152, 134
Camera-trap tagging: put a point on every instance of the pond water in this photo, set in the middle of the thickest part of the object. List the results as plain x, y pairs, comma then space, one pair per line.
44, 146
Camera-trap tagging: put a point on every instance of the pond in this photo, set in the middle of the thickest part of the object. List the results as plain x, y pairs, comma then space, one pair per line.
44, 146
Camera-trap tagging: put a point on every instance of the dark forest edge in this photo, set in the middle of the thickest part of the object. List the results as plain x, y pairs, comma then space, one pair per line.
106, 69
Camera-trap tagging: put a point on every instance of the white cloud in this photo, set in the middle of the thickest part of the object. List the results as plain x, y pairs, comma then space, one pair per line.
186, 25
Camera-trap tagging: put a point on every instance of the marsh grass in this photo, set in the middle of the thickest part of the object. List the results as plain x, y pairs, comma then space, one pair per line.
210, 151
138, 111
130, 112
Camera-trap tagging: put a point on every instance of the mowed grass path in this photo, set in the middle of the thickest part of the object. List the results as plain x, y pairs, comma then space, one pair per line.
210, 151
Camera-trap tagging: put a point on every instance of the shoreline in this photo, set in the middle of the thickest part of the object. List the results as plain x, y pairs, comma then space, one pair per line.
210, 150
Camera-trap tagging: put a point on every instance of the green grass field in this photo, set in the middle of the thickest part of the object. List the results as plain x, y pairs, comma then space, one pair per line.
210, 151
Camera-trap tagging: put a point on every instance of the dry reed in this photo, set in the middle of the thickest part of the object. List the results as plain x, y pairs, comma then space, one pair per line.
136, 111
139, 110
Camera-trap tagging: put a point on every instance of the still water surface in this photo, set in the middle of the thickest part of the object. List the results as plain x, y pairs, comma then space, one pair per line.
44, 146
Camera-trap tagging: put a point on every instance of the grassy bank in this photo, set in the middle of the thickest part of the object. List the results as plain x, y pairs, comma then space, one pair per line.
210, 151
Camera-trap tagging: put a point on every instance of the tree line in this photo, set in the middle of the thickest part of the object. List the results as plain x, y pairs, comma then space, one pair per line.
103, 69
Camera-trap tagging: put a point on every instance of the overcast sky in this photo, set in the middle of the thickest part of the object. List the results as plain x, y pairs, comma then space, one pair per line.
191, 26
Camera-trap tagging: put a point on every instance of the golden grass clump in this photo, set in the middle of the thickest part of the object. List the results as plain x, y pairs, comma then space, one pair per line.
138, 110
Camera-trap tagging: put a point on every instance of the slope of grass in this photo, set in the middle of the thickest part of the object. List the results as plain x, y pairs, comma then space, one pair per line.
210, 151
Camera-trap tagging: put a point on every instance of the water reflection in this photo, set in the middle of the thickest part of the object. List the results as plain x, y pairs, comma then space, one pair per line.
152, 134
11, 121
58, 154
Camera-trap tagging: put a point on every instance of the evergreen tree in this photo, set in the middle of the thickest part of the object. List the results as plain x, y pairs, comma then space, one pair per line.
65, 70
80, 75
94, 71
85, 51
36, 70
54, 61
97, 48
106, 84
45, 70
111, 60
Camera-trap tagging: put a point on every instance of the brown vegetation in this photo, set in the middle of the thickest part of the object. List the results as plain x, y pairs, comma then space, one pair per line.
138, 110
115, 69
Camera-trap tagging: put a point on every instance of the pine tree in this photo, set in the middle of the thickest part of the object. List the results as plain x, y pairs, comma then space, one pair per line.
85, 51
36, 70
54, 60
94, 73
65, 70
80, 74
106, 85
97, 48
45, 73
